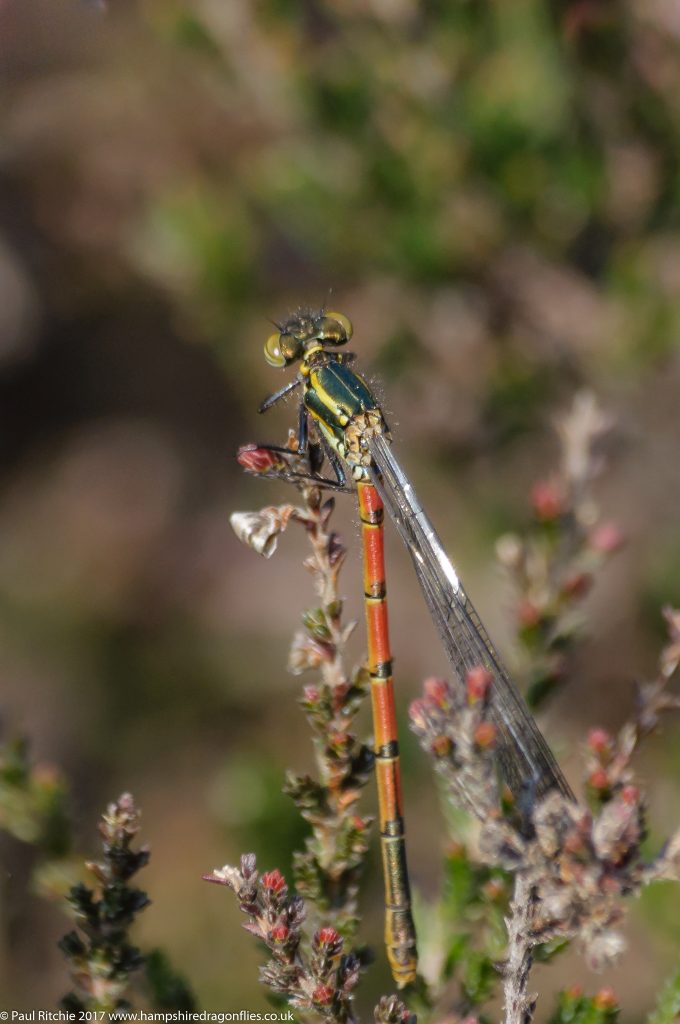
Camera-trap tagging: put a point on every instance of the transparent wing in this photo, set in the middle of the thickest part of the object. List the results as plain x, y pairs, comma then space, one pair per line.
525, 759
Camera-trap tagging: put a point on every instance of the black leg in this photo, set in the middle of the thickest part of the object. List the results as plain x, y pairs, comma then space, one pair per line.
315, 456
340, 483
303, 430
275, 448
281, 393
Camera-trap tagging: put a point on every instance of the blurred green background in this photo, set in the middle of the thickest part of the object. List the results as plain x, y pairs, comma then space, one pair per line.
489, 190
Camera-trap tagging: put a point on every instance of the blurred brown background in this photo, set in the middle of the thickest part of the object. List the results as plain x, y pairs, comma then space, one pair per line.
489, 189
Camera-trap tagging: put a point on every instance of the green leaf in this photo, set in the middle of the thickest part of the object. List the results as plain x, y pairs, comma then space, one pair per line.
667, 1009
168, 990
575, 1008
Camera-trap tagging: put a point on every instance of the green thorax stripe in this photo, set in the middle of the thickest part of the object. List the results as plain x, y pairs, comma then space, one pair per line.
335, 395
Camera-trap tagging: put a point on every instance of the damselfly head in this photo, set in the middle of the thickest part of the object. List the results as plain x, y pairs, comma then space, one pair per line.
303, 331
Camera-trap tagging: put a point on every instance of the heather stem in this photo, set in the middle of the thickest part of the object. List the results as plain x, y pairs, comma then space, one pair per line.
333, 772
327, 578
519, 1006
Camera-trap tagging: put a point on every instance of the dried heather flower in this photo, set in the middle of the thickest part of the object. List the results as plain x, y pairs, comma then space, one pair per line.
580, 430
261, 530
305, 654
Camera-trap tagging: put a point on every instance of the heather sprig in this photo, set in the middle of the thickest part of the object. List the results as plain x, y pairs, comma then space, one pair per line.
104, 965
391, 1010
327, 872
553, 565
573, 868
101, 957
608, 768
34, 809
454, 727
569, 864
573, 1007
314, 977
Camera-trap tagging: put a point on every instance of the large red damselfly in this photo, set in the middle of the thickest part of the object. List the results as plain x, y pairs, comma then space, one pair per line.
356, 440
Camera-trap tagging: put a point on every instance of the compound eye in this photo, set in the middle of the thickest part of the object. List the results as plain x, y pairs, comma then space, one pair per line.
335, 329
273, 352
291, 347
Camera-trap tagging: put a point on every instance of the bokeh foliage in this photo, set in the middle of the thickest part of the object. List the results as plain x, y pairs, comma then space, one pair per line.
489, 188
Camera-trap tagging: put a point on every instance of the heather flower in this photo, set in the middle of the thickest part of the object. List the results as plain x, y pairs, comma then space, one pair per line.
546, 499
606, 538
258, 460
478, 683
261, 530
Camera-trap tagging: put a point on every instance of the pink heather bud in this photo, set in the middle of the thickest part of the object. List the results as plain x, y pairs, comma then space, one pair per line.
598, 779
310, 694
606, 537
605, 999
630, 795
416, 712
441, 746
358, 823
546, 500
574, 991
273, 880
339, 741
573, 842
436, 691
599, 741
577, 585
327, 937
485, 735
259, 460
279, 933
477, 683
322, 995
493, 890
528, 614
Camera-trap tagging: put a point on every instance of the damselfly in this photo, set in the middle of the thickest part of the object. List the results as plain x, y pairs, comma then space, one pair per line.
356, 439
